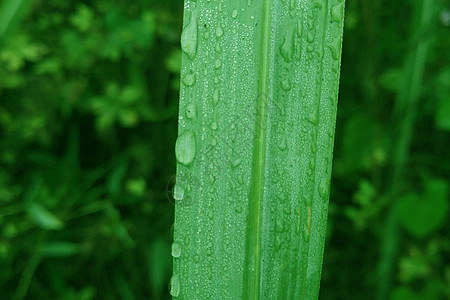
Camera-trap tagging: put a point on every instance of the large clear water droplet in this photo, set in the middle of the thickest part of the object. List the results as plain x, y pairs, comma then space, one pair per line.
185, 148
219, 31
178, 192
189, 37
337, 12
175, 285
176, 249
190, 111
189, 79
287, 48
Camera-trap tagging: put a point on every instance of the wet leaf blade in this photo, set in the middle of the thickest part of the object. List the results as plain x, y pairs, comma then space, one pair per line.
256, 133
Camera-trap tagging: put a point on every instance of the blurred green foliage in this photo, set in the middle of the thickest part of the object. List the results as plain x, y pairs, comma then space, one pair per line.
88, 118
88, 104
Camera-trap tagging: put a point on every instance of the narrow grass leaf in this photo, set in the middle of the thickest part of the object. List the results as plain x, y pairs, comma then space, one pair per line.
254, 151
11, 12
43, 217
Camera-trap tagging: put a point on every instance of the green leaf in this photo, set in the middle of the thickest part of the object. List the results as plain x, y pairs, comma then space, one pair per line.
422, 214
11, 12
60, 249
43, 217
432, 291
442, 113
158, 264
256, 133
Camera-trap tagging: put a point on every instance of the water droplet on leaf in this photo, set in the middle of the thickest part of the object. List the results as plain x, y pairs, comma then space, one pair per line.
178, 192
286, 84
190, 111
216, 96
176, 249
189, 79
189, 38
219, 31
175, 285
185, 148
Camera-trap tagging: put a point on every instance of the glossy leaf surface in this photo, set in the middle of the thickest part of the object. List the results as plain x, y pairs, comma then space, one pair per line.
254, 151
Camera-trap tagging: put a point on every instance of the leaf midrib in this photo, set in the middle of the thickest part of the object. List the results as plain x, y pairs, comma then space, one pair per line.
253, 250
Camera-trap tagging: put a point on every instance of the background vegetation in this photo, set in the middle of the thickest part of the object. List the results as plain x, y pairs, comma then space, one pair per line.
88, 120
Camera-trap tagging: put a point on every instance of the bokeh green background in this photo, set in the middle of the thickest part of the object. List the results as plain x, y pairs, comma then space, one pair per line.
88, 120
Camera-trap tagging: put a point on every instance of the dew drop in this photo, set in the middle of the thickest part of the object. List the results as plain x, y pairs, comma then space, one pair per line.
278, 242
337, 12
176, 249
287, 48
236, 162
212, 178
178, 192
286, 84
185, 148
189, 38
216, 96
310, 37
334, 50
189, 79
175, 285
283, 144
234, 14
299, 28
196, 258
323, 190
312, 117
217, 63
219, 31
214, 126
238, 209
190, 111
279, 225
217, 48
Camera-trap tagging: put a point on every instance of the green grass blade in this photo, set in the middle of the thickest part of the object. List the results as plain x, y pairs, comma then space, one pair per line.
11, 11
405, 111
256, 129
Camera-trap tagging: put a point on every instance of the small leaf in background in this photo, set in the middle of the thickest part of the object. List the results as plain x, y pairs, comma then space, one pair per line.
123, 287
173, 61
422, 214
413, 266
43, 217
358, 145
136, 186
83, 18
443, 113
442, 110
432, 291
365, 205
11, 13
87, 293
115, 181
118, 228
60, 249
391, 79
159, 264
